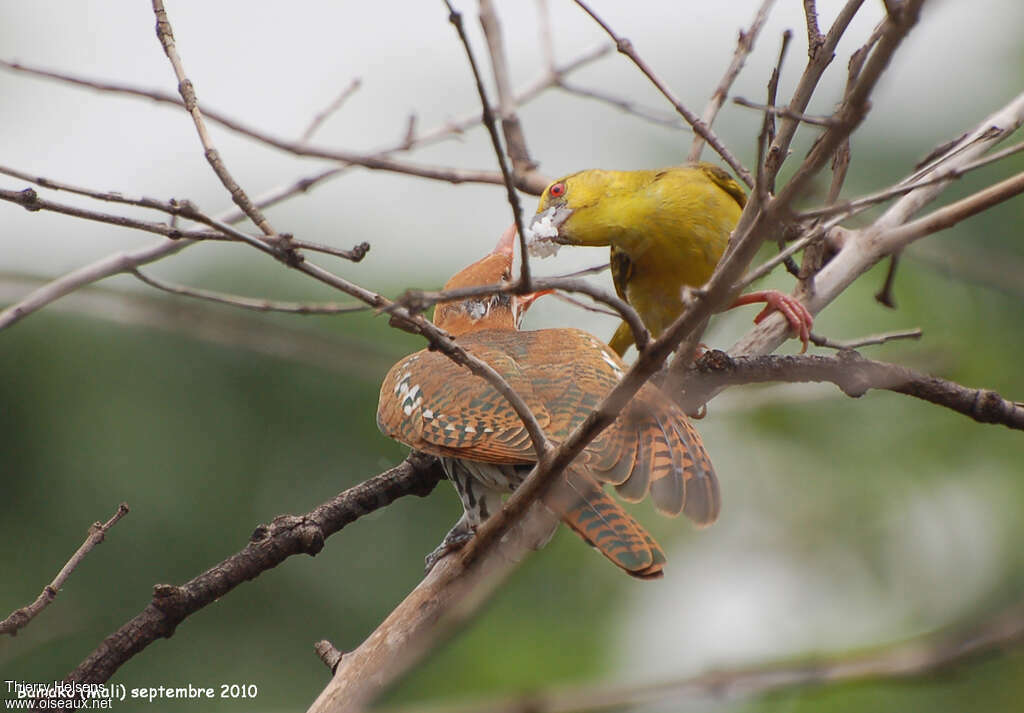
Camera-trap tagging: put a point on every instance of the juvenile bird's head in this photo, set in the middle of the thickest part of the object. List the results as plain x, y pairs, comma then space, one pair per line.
496, 311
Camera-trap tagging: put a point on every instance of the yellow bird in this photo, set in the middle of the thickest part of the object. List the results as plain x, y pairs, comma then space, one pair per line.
667, 229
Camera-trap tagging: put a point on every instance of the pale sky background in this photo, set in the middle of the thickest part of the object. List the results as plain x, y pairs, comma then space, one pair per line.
275, 65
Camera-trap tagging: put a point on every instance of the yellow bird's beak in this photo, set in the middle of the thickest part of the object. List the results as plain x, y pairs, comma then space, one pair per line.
542, 235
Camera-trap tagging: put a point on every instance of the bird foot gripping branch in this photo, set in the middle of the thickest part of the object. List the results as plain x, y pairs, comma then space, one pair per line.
434, 405
667, 230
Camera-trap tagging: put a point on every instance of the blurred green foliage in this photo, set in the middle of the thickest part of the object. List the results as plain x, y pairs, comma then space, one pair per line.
911, 511
206, 441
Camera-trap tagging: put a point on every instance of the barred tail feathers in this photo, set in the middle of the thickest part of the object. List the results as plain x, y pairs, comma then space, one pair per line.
591, 512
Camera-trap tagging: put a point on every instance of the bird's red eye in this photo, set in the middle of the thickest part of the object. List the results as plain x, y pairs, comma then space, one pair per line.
557, 190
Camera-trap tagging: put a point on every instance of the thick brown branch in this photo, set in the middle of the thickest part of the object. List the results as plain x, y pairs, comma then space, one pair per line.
268, 546
854, 375
20, 618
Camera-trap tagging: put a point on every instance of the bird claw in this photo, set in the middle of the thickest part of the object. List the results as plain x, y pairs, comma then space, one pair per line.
454, 541
799, 317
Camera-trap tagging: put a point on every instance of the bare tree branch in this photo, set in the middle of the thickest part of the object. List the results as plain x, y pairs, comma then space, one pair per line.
655, 116
165, 34
334, 352
183, 209
268, 546
515, 140
941, 174
531, 182
786, 112
455, 18
854, 375
821, 52
20, 618
331, 108
870, 340
624, 46
257, 305
925, 656
864, 247
743, 48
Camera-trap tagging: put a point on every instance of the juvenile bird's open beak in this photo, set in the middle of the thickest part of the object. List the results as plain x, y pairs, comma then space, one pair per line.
521, 303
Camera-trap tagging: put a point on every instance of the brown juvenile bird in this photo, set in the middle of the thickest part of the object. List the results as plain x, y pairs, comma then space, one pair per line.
667, 230
434, 405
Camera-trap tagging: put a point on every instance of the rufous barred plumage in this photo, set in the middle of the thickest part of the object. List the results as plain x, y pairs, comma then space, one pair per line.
434, 405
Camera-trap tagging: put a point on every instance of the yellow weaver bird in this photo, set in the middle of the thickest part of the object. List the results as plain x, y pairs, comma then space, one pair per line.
667, 229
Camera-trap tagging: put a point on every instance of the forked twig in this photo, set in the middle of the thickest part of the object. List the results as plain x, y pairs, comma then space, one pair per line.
20, 618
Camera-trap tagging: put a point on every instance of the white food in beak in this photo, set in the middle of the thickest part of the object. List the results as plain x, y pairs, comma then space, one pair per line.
541, 233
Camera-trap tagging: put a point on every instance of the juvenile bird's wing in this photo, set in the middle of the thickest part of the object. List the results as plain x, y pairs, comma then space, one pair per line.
434, 405
650, 448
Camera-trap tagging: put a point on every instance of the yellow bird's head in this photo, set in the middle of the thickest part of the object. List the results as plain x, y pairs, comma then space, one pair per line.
583, 208
600, 208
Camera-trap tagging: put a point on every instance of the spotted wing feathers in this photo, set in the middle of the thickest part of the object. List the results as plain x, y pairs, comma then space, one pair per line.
434, 405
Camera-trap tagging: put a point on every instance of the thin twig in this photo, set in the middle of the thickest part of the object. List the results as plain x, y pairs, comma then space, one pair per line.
583, 305
291, 342
855, 105
744, 45
123, 261
766, 182
455, 18
257, 305
20, 618
821, 51
785, 112
771, 263
655, 116
165, 34
379, 159
624, 46
870, 340
173, 208
331, 108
